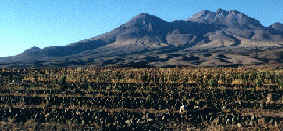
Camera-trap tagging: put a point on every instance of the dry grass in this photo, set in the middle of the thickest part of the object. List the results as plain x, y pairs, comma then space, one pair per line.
148, 82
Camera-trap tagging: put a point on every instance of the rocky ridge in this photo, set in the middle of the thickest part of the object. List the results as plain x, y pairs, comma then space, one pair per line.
147, 40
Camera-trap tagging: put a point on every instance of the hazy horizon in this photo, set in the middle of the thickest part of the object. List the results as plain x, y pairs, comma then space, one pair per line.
25, 23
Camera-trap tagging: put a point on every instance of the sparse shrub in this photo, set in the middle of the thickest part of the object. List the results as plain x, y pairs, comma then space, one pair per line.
259, 82
33, 84
212, 82
217, 76
245, 78
120, 88
69, 86
63, 83
93, 86
223, 79
84, 84
154, 89
145, 78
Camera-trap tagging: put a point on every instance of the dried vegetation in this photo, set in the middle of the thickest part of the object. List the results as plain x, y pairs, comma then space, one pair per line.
145, 98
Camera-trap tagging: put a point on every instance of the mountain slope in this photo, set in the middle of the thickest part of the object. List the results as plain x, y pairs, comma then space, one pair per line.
221, 38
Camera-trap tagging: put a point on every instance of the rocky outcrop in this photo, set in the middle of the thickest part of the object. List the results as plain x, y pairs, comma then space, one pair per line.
230, 18
277, 26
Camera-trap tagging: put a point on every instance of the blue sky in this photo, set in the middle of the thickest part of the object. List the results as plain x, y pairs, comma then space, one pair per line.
43, 23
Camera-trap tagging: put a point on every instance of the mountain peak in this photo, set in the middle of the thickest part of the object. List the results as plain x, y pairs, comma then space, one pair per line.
35, 48
144, 17
230, 18
278, 23
29, 51
277, 26
219, 10
142, 23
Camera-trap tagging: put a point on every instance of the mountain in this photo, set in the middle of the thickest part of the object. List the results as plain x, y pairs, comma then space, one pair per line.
231, 18
277, 26
220, 38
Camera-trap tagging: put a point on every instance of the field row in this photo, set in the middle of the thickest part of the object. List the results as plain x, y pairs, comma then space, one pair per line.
210, 76
133, 103
155, 91
124, 117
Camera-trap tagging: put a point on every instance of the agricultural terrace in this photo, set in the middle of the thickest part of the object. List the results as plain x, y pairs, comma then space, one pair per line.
141, 98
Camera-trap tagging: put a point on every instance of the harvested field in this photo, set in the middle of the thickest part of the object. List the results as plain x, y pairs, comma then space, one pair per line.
141, 99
